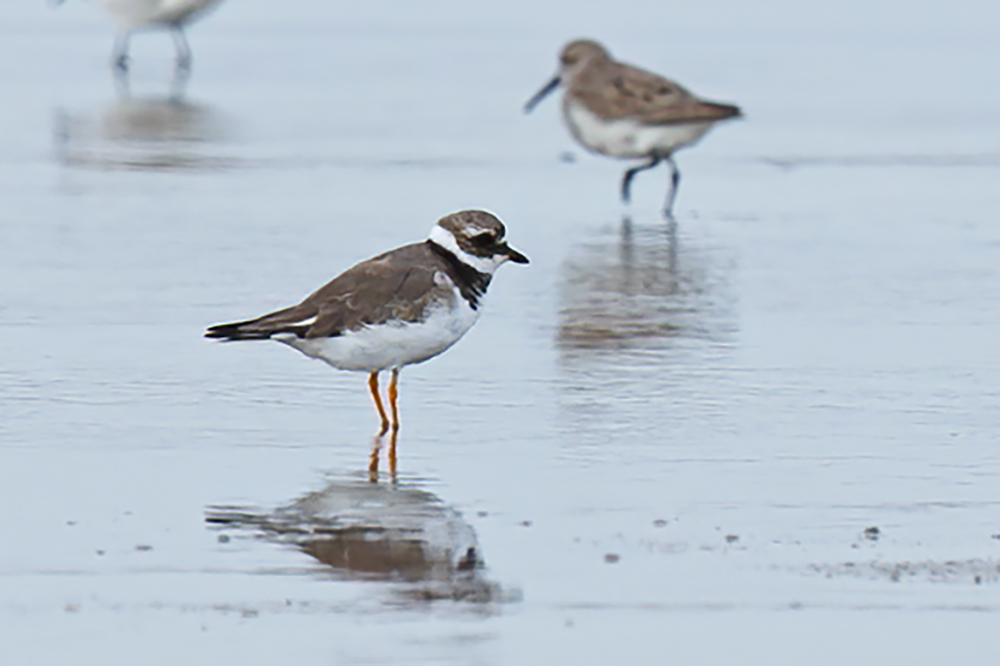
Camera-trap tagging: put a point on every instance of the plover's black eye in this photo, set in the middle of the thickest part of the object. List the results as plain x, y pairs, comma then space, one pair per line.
483, 240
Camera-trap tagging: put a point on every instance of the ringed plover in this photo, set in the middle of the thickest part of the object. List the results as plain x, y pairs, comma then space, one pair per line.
402, 307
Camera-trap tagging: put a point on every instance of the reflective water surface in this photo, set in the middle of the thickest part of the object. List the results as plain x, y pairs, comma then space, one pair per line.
765, 433
151, 133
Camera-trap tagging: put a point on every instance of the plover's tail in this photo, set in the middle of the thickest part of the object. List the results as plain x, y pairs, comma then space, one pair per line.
296, 320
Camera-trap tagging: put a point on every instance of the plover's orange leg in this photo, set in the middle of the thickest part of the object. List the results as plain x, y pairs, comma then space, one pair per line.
393, 395
373, 386
394, 406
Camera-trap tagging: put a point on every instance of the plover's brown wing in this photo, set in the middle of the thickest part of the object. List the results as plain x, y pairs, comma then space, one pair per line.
622, 91
394, 285
397, 285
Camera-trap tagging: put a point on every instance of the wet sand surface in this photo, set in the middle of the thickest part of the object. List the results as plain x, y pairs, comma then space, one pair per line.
768, 434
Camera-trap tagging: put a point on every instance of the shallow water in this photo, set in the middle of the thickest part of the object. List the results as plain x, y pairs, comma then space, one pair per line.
658, 442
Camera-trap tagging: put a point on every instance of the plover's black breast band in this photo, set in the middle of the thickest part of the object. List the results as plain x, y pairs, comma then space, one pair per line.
471, 283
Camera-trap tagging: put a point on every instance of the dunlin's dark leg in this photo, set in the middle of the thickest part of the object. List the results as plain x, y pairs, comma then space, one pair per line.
630, 174
675, 182
119, 57
373, 387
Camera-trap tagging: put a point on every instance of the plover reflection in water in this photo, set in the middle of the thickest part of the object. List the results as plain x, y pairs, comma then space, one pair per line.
398, 533
618, 110
139, 15
402, 307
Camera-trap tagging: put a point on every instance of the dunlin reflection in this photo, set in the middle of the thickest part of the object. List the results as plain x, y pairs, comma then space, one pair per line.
633, 287
155, 133
641, 306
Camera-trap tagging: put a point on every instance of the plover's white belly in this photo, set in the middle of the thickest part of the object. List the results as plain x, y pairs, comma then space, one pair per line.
394, 344
132, 14
628, 138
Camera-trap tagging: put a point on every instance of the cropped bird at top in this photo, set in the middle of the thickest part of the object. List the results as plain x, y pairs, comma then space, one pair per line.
136, 15
402, 307
618, 110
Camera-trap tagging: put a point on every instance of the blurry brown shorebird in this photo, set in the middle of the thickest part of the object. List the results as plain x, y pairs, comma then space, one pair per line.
402, 307
618, 110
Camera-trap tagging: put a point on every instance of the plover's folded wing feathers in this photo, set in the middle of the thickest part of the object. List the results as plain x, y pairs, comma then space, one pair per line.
624, 91
296, 320
395, 286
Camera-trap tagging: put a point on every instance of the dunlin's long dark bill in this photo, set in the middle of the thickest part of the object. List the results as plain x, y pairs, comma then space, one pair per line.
543, 93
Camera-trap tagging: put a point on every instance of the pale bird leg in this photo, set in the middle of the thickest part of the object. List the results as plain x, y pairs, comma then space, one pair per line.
373, 387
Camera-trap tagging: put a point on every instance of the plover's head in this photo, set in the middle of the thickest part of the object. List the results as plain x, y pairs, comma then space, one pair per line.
574, 57
475, 237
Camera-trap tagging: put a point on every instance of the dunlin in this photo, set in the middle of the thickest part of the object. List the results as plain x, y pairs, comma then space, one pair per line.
618, 110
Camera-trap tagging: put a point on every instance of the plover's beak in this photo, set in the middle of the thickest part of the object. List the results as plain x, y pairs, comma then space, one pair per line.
540, 95
512, 254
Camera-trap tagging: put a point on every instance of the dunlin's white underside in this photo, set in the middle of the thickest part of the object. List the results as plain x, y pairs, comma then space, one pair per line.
394, 344
628, 138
